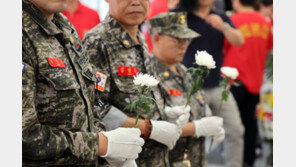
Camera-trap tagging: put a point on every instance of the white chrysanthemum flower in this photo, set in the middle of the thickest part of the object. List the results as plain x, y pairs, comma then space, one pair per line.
230, 72
145, 80
203, 58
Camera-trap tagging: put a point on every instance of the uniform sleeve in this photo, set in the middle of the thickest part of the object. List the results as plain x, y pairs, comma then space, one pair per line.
100, 64
43, 142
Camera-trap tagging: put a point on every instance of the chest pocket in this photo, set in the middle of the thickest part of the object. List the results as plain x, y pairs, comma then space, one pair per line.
60, 79
124, 79
125, 84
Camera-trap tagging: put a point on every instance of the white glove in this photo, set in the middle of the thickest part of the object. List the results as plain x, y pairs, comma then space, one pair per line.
165, 133
130, 163
178, 115
208, 126
219, 137
121, 162
123, 143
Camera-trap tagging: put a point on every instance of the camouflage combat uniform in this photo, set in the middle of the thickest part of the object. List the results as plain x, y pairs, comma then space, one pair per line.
177, 87
117, 57
189, 151
59, 125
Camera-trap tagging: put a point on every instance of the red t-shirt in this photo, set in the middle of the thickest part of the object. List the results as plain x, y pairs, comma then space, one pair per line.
156, 7
83, 19
250, 58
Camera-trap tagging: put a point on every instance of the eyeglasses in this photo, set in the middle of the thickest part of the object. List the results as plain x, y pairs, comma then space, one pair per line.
179, 41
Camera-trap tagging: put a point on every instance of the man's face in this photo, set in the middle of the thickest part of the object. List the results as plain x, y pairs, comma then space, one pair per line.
171, 49
51, 6
128, 12
205, 3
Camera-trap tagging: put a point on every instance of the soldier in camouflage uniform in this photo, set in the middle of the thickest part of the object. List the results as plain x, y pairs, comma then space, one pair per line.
170, 40
118, 51
60, 125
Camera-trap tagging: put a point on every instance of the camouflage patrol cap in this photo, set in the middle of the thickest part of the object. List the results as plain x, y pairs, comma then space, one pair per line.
171, 23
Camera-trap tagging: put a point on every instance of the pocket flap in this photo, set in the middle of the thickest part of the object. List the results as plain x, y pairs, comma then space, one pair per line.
60, 79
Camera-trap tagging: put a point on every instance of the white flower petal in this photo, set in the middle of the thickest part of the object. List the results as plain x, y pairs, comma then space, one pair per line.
203, 58
230, 72
145, 80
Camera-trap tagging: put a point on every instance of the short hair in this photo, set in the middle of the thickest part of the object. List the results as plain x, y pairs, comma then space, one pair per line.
248, 2
266, 2
186, 6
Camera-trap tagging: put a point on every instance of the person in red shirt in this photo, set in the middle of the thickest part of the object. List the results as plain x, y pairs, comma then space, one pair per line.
266, 8
157, 7
250, 60
82, 17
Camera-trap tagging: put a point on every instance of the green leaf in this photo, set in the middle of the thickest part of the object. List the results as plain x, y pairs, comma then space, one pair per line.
207, 73
146, 107
225, 95
151, 100
190, 70
135, 89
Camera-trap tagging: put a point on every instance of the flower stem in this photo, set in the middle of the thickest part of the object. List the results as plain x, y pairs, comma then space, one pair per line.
220, 108
137, 118
188, 100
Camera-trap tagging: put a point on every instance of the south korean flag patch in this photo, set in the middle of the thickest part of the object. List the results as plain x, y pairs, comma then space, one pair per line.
101, 81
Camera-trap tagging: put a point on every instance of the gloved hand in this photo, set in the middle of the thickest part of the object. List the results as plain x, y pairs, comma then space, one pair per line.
123, 143
165, 133
178, 115
121, 162
219, 137
209, 126
130, 163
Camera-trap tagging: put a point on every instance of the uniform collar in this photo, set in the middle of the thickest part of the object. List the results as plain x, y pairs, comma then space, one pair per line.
164, 72
48, 26
121, 34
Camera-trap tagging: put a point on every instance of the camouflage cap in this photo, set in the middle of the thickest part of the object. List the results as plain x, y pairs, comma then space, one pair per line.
171, 23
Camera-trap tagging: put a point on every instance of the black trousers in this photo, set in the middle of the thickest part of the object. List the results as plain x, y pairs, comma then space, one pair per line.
247, 102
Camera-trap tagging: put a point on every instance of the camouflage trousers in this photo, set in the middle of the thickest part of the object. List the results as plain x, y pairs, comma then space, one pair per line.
188, 152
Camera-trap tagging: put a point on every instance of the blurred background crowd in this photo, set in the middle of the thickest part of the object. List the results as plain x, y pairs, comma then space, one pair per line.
254, 96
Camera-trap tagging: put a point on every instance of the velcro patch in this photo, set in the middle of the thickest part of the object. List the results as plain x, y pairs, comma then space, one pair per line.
175, 92
127, 71
101, 81
54, 62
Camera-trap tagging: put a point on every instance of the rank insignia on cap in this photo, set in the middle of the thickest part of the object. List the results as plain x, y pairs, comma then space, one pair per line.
72, 39
126, 43
166, 74
101, 81
182, 19
54, 62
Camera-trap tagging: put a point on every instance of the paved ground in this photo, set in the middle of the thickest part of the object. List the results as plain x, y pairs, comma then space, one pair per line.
215, 159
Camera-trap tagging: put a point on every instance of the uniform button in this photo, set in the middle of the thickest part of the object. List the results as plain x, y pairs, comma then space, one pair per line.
126, 43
